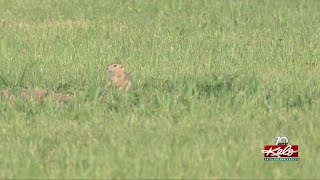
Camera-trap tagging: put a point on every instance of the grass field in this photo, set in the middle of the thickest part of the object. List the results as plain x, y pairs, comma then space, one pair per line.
215, 82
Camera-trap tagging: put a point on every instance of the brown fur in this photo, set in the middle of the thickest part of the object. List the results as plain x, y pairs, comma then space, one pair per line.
119, 78
37, 94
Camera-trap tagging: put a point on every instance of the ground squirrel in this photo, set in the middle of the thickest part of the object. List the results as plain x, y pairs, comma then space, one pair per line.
37, 94
118, 77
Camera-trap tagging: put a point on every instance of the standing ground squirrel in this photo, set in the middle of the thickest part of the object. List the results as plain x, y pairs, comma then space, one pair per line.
118, 77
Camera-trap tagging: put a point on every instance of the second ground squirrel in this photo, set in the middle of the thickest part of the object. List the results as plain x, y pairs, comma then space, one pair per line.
39, 94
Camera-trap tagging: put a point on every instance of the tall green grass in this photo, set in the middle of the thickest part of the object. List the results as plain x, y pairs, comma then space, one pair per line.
215, 82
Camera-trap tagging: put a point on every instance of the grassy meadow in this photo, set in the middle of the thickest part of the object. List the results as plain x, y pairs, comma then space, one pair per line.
215, 82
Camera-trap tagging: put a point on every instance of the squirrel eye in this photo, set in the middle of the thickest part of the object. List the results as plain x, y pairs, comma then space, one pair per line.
115, 65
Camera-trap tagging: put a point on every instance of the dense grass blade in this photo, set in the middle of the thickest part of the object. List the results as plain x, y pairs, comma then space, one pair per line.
4, 80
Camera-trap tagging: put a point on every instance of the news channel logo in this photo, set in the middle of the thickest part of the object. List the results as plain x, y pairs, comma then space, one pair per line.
281, 151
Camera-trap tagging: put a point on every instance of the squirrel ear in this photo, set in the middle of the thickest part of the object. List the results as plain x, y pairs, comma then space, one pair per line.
121, 66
